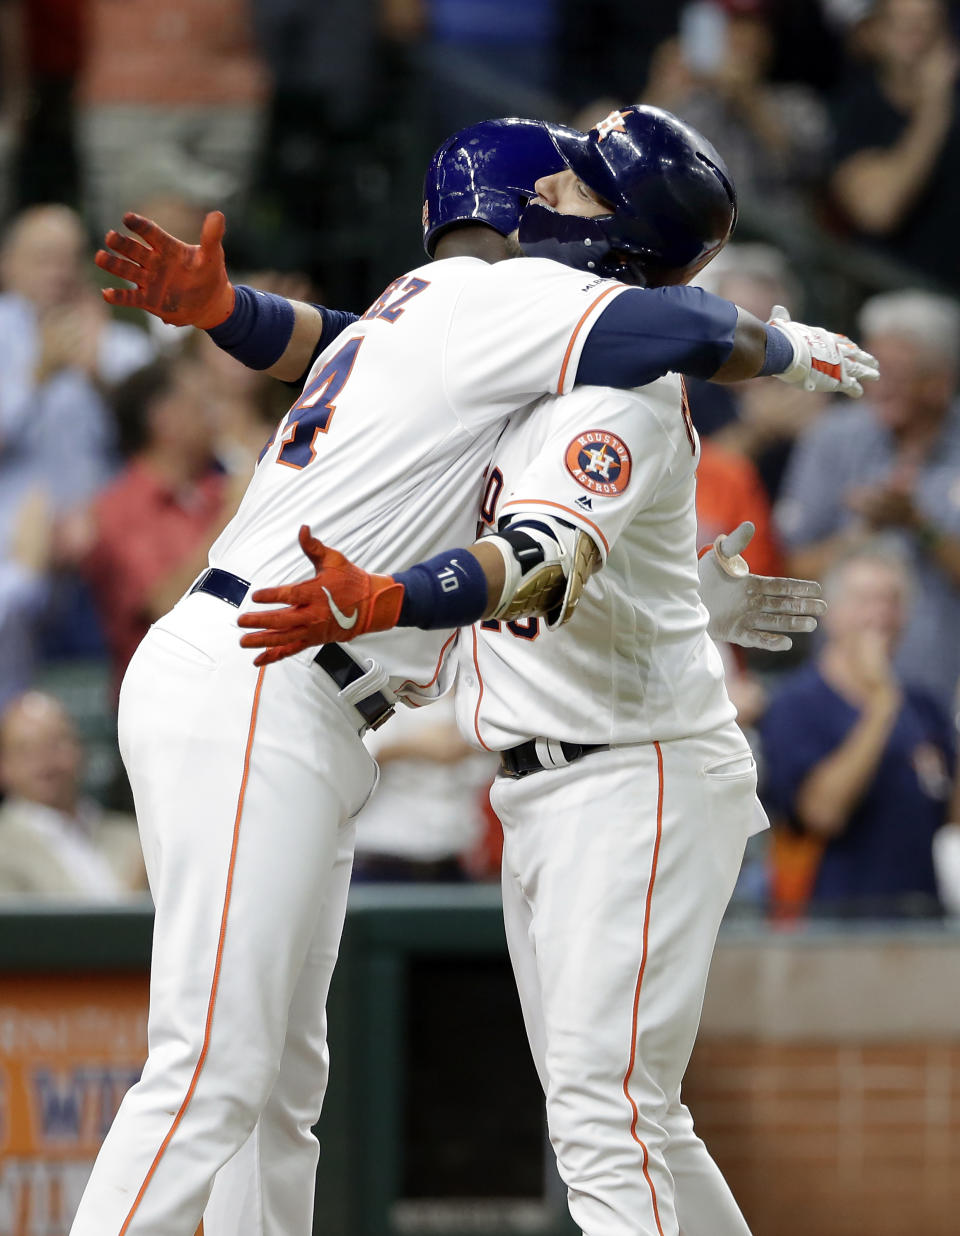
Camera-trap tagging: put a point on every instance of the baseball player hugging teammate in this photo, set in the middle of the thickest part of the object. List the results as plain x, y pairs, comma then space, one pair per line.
627, 791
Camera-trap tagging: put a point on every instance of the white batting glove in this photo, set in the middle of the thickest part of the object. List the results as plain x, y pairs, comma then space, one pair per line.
823, 361
754, 611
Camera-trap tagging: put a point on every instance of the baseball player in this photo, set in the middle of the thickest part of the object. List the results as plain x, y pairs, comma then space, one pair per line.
627, 791
246, 778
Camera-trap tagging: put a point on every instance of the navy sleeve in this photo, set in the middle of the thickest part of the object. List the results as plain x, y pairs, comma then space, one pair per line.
647, 332
335, 322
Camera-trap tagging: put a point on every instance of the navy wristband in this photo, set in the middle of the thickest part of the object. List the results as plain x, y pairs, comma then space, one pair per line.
779, 354
258, 330
449, 590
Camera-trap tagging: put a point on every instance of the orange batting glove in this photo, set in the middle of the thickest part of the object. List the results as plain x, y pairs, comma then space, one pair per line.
185, 285
341, 602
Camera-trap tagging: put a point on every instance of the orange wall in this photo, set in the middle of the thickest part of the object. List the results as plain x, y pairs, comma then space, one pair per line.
828, 1139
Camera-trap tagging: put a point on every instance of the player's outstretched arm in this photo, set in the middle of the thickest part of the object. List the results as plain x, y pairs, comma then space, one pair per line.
754, 611
807, 356
525, 569
645, 333
187, 285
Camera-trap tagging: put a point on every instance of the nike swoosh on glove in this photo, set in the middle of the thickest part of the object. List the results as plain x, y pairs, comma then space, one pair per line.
754, 611
822, 360
341, 602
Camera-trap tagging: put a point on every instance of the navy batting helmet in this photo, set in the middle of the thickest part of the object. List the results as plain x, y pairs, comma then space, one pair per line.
673, 202
485, 174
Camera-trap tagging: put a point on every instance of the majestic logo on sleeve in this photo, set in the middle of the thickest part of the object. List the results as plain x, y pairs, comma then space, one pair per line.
600, 462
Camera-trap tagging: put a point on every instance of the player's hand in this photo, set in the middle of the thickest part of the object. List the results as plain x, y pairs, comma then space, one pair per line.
823, 361
341, 602
183, 284
868, 657
754, 611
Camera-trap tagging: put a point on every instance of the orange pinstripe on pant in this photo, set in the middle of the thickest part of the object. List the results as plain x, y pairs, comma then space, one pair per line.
211, 1003
636, 994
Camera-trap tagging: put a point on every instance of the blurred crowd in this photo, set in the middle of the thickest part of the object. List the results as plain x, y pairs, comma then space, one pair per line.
125, 445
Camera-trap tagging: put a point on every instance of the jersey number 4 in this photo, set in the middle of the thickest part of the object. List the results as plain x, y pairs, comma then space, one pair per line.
312, 413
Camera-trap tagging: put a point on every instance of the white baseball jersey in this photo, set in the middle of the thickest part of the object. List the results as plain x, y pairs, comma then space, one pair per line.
634, 663
246, 780
384, 452
617, 867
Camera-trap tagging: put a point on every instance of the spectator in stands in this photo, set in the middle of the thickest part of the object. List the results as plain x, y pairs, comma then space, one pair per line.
773, 136
14, 98
498, 43
897, 149
593, 65
728, 492
170, 94
53, 47
151, 528
856, 759
761, 419
946, 854
891, 464
58, 350
25, 588
53, 841
426, 813
245, 404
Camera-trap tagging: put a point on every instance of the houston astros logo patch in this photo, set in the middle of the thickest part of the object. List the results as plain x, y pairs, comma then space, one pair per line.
614, 123
599, 461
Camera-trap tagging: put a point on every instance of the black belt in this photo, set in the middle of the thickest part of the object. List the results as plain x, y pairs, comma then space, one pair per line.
338, 663
523, 760
334, 660
229, 588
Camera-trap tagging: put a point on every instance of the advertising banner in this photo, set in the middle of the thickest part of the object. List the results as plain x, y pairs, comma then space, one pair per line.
70, 1048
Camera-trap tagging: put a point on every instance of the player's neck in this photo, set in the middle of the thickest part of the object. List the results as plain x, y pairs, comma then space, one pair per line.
472, 240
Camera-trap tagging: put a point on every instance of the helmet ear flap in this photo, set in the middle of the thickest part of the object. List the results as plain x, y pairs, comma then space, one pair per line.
587, 243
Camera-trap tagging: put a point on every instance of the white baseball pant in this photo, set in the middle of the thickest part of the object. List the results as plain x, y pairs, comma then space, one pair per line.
616, 872
245, 784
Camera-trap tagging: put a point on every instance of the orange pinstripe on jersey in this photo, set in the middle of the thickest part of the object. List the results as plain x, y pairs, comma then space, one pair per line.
422, 686
476, 713
636, 994
560, 507
216, 969
687, 418
576, 331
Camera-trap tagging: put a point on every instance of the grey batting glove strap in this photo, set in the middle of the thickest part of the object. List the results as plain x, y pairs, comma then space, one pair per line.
754, 611
823, 361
